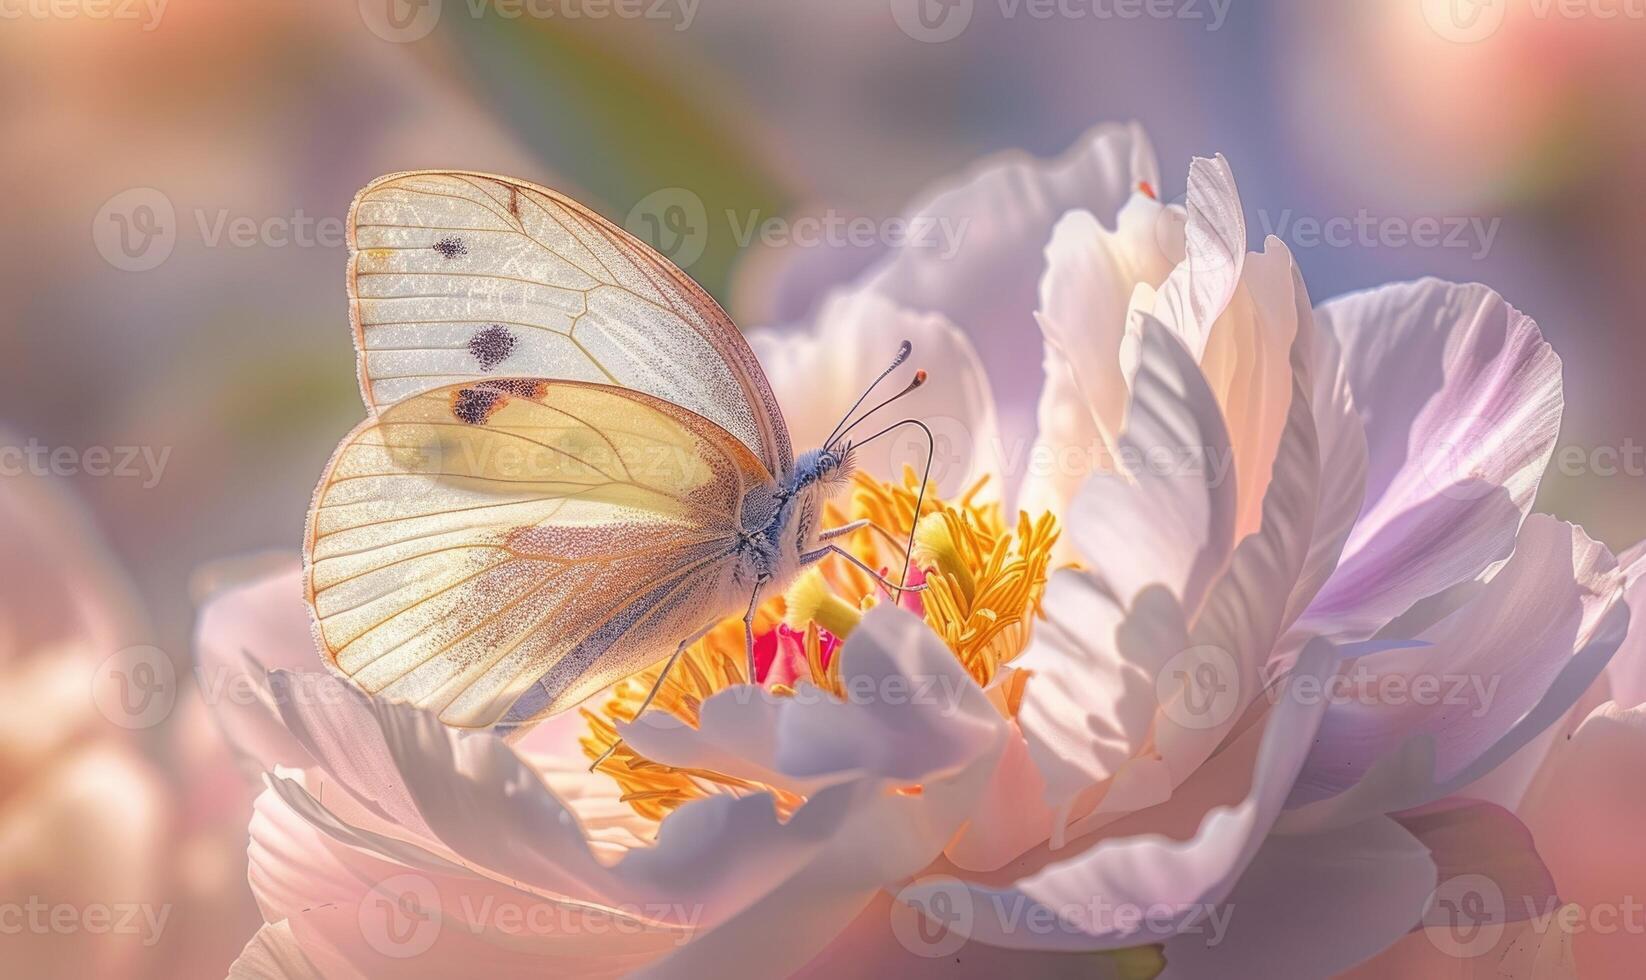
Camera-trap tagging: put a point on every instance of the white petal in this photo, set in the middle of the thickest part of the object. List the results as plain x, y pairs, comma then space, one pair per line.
1499, 672
1168, 518
273, 954
1461, 400
1198, 291
1147, 872
1314, 905
1003, 212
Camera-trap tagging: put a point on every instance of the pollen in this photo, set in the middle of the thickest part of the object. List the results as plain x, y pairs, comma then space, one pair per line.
984, 579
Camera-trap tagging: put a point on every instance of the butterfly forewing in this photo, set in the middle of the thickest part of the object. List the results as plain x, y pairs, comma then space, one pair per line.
457, 277
497, 551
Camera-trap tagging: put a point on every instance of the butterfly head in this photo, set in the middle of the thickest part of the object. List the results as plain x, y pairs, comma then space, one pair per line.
829, 470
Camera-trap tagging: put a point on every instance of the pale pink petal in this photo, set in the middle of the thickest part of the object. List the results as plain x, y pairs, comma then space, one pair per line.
1471, 837
911, 710
1584, 809
1249, 365
242, 632
1167, 518
1626, 674
894, 940
1149, 872
1342, 493
1199, 290
1461, 400
1003, 211
1093, 692
1011, 815
1245, 613
1523, 949
1091, 274
1499, 672
431, 918
274, 954
1312, 905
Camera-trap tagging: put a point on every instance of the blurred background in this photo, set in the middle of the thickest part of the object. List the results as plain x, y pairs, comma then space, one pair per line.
175, 359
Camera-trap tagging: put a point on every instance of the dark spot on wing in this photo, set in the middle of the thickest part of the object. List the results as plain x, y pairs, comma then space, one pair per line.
451, 247
476, 405
524, 387
492, 346
514, 200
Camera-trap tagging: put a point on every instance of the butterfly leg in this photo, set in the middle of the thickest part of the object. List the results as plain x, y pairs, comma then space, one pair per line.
748, 629
833, 549
845, 529
651, 695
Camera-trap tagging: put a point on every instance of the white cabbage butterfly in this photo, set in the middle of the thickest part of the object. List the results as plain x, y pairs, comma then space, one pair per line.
574, 465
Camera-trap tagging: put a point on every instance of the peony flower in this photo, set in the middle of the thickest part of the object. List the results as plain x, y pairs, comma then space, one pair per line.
1205, 702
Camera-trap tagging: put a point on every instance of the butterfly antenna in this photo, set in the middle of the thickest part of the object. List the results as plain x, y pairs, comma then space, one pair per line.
918, 380
903, 352
920, 496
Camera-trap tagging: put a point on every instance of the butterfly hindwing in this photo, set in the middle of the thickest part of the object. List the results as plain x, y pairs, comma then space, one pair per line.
520, 540
458, 277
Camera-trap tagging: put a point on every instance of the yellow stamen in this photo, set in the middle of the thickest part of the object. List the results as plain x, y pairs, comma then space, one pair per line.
984, 582
810, 601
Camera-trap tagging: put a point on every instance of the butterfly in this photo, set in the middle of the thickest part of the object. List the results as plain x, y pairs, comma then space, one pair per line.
573, 465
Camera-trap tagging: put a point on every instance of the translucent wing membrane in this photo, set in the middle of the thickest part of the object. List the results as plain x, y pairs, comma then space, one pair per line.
498, 551
456, 277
